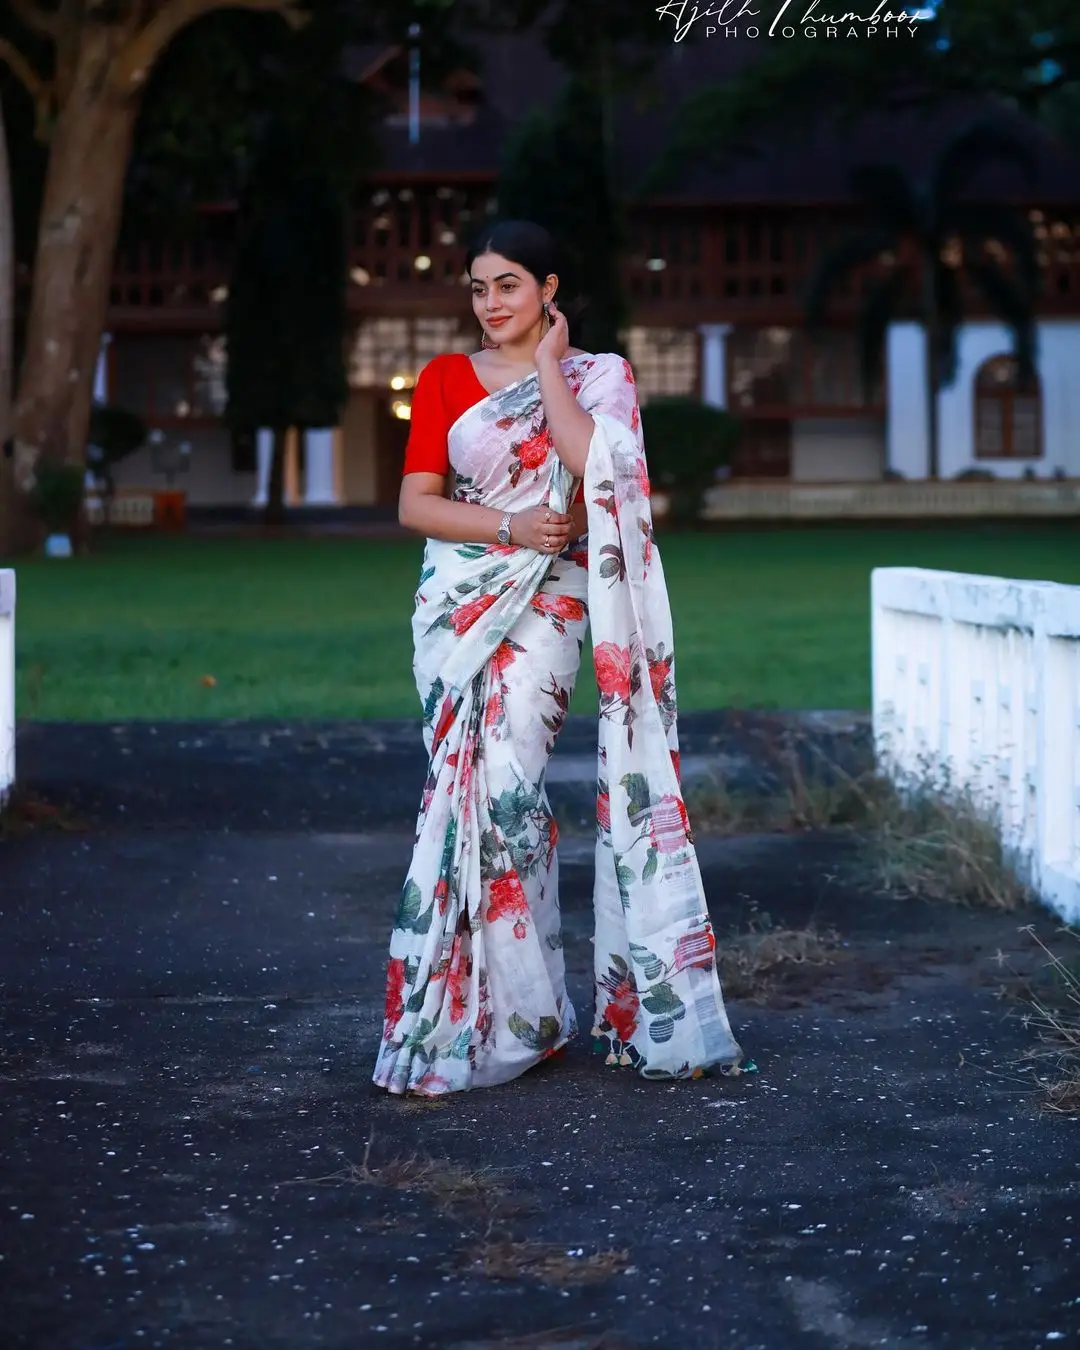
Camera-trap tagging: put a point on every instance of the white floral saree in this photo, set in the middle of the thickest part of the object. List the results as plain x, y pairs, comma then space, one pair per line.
476, 990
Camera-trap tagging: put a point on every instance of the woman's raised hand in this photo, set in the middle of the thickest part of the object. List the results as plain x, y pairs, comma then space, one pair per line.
541, 528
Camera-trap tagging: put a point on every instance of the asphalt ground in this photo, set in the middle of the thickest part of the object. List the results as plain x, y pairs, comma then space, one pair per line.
191, 974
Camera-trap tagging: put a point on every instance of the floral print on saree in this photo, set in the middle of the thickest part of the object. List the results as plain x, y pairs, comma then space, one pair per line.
476, 990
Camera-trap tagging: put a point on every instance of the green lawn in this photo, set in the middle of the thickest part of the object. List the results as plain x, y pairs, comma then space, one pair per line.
320, 627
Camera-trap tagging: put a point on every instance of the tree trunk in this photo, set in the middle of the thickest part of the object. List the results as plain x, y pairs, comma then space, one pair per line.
80, 221
8, 504
274, 511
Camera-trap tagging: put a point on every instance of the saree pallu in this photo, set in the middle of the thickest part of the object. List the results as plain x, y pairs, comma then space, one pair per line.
476, 990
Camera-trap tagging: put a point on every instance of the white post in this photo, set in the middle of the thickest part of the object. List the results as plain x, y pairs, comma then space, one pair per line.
713, 364
101, 371
264, 451
319, 488
7, 683
977, 676
907, 427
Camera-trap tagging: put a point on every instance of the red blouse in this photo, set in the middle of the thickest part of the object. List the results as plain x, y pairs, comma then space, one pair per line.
448, 386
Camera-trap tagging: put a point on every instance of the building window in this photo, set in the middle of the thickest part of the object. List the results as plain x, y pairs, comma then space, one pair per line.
787, 371
1008, 419
170, 381
389, 353
666, 361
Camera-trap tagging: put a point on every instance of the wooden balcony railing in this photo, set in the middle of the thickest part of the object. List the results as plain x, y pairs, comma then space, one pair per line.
685, 265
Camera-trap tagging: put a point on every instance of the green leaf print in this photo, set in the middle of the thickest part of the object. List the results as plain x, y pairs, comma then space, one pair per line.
409, 905
662, 999
427, 573
511, 809
624, 875
433, 700
419, 1033
637, 790
416, 1000
650, 963
409, 919
649, 870
412, 969
536, 1038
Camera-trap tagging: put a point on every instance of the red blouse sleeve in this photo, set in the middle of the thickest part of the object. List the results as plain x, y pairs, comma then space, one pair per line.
426, 451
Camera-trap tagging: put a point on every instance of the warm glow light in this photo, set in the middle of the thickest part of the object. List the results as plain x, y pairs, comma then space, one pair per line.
183, 408
398, 382
360, 275
447, 237
422, 263
219, 294
401, 409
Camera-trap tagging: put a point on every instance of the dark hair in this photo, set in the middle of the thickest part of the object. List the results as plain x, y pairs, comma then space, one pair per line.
522, 241
531, 245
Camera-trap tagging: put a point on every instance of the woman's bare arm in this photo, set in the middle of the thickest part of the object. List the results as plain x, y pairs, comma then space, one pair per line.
423, 508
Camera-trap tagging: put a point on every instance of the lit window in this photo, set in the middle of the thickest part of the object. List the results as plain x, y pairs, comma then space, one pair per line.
665, 361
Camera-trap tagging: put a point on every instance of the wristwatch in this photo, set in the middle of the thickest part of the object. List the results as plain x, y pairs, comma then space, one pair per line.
502, 534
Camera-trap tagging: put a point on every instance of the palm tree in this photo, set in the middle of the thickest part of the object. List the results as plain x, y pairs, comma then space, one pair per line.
927, 240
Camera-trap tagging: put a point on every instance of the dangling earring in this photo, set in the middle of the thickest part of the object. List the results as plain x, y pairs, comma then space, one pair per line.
547, 320
490, 346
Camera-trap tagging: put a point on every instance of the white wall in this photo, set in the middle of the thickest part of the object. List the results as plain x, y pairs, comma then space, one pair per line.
210, 481
841, 449
982, 675
1059, 369
907, 432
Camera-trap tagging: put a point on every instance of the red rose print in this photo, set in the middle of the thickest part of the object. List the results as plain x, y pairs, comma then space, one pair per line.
564, 606
466, 615
457, 981
612, 670
642, 475
503, 656
442, 895
446, 719
628, 371
534, 451
622, 1011
658, 674
506, 898
675, 764
395, 986
494, 710
603, 811
635, 418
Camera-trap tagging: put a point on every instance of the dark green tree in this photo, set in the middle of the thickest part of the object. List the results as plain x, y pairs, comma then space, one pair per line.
287, 309
927, 239
552, 172
1023, 58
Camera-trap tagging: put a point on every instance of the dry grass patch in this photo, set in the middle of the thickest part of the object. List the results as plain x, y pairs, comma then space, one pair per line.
941, 844
753, 962
547, 1263
24, 811
1055, 1019
462, 1193
936, 840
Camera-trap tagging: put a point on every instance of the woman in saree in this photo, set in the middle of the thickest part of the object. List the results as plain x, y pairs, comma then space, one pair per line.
546, 528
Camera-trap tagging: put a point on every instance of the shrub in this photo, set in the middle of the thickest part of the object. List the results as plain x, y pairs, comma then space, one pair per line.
685, 443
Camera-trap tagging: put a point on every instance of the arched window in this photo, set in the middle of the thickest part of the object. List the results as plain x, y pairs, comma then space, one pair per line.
1008, 419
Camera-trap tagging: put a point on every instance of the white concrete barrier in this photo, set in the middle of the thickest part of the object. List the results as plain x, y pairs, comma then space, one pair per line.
7, 682
980, 676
